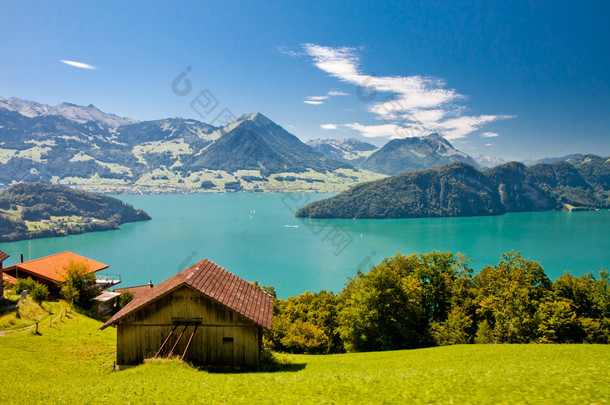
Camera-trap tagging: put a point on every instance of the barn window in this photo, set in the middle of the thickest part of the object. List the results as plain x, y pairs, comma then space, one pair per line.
227, 339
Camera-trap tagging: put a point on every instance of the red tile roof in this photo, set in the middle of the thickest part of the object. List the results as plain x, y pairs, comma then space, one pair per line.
52, 267
9, 279
3, 256
215, 282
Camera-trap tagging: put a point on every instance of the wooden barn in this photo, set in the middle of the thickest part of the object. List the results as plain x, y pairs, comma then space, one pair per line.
205, 314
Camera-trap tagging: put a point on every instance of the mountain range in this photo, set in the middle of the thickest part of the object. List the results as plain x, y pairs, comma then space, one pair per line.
459, 189
93, 150
396, 156
86, 147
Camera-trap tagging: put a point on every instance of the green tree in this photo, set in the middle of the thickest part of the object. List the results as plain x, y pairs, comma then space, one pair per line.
509, 294
485, 333
306, 311
305, 337
124, 299
382, 311
557, 323
78, 284
455, 330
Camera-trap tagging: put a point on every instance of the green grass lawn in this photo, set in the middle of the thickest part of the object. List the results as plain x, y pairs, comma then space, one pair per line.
28, 313
70, 362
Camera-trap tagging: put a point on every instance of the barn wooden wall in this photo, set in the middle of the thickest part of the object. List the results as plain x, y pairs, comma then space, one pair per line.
142, 333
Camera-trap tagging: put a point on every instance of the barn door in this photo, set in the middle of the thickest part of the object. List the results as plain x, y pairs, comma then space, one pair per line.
226, 354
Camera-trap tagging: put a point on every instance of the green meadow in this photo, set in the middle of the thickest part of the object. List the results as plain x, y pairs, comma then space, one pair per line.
70, 361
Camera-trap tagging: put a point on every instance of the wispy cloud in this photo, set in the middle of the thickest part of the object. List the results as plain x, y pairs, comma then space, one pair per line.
78, 64
391, 131
284, 50
329, 126
489, 135
414, 105
320, 99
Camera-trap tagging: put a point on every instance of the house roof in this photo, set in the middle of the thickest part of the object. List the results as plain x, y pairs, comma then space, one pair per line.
3, 256
216, 283
52, 267
136, 290
9, 279
106, 296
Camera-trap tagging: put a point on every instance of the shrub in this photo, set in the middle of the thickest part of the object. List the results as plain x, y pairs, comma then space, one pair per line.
39, 292
24, 284
124, 299
78, 285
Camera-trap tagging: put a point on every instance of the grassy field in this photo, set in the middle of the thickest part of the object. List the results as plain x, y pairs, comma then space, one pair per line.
70, 362
28, 313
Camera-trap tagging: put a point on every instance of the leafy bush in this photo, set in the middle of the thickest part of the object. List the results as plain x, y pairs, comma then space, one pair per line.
124, 299
37, 291
78, 285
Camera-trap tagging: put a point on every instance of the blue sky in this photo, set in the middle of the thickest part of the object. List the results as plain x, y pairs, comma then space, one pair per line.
515, 79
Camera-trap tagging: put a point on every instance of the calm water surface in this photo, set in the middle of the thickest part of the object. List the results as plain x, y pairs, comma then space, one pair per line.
257, 237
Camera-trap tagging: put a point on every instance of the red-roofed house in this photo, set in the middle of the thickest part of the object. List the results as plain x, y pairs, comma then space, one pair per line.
51, 269
204, 314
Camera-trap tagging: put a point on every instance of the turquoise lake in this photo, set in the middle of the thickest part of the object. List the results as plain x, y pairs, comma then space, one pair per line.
257, 237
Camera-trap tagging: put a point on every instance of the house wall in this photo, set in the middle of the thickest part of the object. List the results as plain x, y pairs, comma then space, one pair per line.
223, 336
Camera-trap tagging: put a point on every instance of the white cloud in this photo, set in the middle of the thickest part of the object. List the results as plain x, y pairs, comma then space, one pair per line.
489, 135
391, 131
329, 126
313, 102
285, 51
416, 104
489, 144
331, 93
78, 64
461, 126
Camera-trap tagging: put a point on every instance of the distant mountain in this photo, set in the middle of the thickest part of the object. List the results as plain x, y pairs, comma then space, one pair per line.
351, 150
59, 211
459, 189
69, 111
254, 142
96, 151
402, 155
486, 161
566, 158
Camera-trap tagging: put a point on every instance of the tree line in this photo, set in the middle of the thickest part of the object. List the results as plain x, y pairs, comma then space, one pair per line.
434, 298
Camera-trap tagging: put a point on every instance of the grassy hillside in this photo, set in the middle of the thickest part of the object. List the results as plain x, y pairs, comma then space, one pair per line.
70, 362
